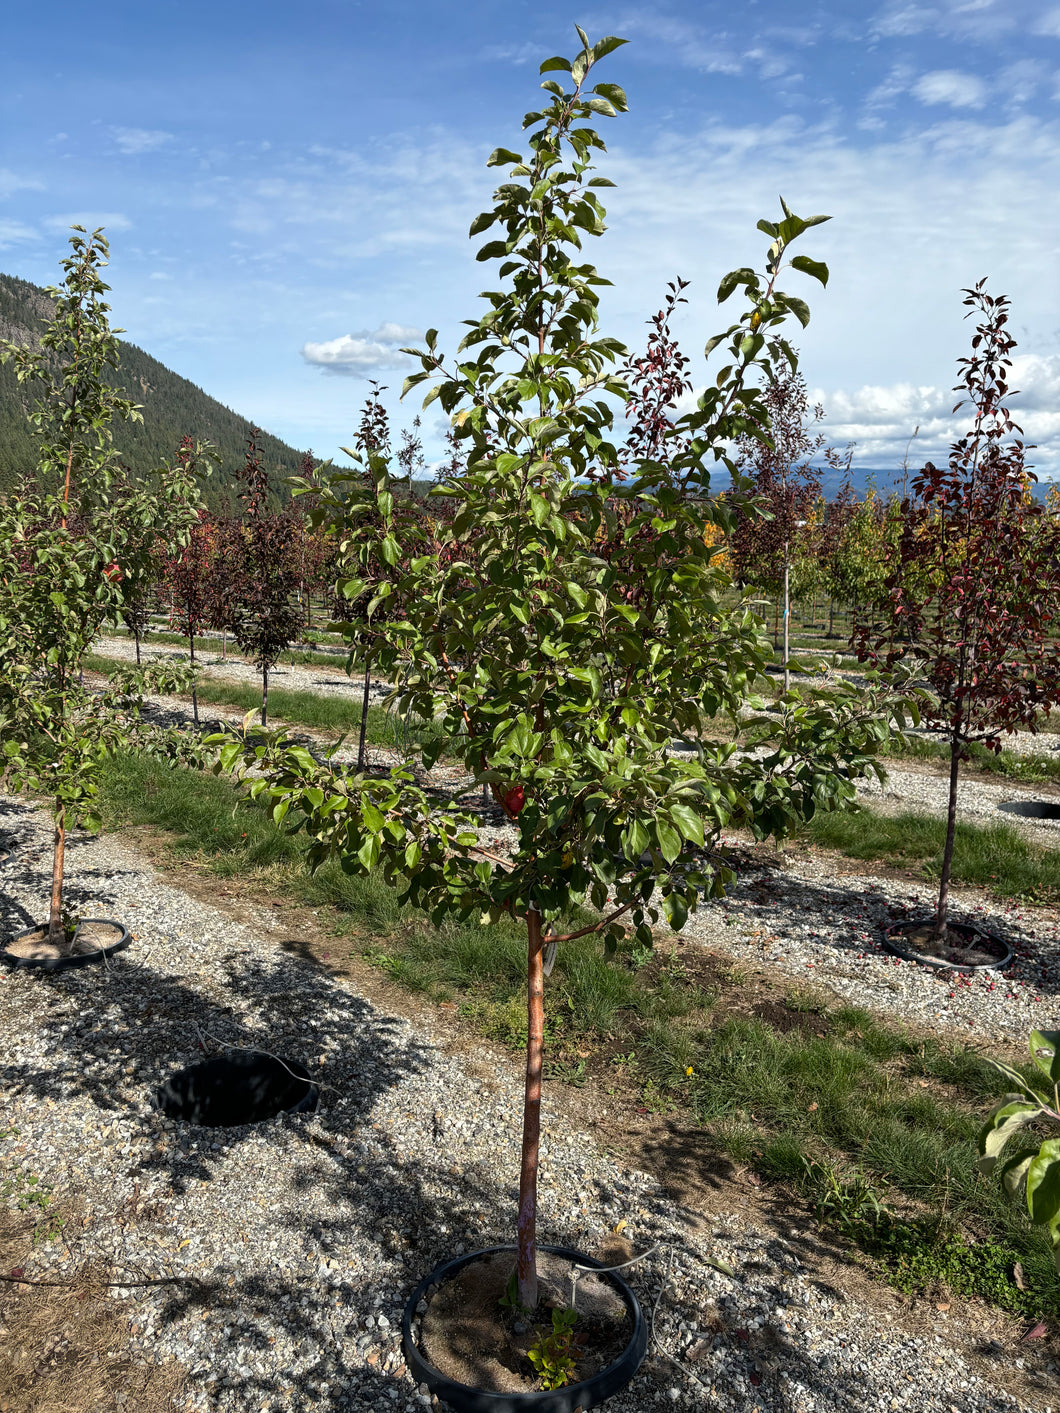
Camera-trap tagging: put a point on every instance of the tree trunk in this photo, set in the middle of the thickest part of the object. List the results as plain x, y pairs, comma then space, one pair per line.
776, 625
55, 911
137, 647
224, 643
787, 618
265, 696
951, 831
364, 718
194, 696
831, 616
535, 1049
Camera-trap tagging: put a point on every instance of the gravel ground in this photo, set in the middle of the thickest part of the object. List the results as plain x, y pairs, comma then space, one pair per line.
308, 1233
325, 680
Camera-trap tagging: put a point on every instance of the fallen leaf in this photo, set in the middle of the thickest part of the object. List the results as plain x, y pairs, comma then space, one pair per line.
1039, 1330
18, 1272
813, 1108
755, 1379
620, 1226
943, 1306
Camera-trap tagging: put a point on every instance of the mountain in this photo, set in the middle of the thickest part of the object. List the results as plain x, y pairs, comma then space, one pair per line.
172, 407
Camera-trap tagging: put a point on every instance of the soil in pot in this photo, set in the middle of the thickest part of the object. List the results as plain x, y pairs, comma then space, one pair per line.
242, 1087
961, 947
469, 1336
92, 936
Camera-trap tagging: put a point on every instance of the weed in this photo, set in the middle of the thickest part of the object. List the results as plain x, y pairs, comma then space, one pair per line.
552, 1352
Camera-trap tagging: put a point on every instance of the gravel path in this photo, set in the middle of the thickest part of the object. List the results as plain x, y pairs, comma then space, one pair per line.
327, 681
308, 1232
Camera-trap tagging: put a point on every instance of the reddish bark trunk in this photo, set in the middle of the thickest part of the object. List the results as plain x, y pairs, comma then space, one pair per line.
55, 912
951, 831
535, 1049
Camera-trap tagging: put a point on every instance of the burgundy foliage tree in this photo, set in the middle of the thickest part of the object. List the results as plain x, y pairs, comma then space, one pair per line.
786, 485
187, 577
266, 617
974, 598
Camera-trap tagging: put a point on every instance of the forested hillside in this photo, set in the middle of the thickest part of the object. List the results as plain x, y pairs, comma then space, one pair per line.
172, 406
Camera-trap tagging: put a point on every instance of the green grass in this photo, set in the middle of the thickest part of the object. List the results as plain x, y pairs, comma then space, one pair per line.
326, 712
995, 857
835, 1091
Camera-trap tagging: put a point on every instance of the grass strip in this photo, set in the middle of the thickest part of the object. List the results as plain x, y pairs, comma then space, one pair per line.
874, 1123
996, 857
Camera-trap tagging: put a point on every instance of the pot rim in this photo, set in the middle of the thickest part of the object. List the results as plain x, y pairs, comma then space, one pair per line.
587, 1393
78, 959
965, 969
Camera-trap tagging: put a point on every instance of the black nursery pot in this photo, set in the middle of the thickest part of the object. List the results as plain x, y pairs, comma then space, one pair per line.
995, 951
589, 1393
74, 959
242, 1087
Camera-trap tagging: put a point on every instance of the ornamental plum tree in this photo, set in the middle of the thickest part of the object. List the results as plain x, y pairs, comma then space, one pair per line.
555, 688
974, 594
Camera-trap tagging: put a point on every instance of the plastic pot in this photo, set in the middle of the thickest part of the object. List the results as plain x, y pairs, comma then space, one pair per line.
74, 959
241, 1087
997, 946
589, 1393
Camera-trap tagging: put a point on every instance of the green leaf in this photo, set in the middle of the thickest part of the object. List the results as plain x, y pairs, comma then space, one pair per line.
502, 156
1044, 1046
743, 276
689, 823
606, 45
669, 840
799, 308
556, 62
817, 268
1043, 1184
1009, 1116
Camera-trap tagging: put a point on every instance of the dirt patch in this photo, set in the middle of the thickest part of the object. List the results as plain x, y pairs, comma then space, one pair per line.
468, 1335
65, 1347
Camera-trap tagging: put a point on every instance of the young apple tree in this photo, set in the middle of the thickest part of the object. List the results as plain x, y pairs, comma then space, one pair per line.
557, 687
974, 596
71, 539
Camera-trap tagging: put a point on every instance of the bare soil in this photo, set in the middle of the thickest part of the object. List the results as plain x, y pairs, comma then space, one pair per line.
63, 1347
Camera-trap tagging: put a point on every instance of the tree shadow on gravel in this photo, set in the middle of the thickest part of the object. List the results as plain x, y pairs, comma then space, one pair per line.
412, 1214
848, 919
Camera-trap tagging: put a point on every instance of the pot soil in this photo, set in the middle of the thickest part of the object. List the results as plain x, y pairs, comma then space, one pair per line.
94, 940
242, 1087
472, 1352
963, 949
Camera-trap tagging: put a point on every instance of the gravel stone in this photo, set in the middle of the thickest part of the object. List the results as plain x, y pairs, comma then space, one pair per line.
309, 1232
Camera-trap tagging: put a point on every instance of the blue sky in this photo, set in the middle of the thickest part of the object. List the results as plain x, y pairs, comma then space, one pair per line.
287, 190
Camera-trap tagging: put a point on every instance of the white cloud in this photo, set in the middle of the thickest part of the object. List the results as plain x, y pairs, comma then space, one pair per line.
10, 182
363, 353
881, 419
952, 87
1049, 25
160, 275
15, 233
133, 141
110, 220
